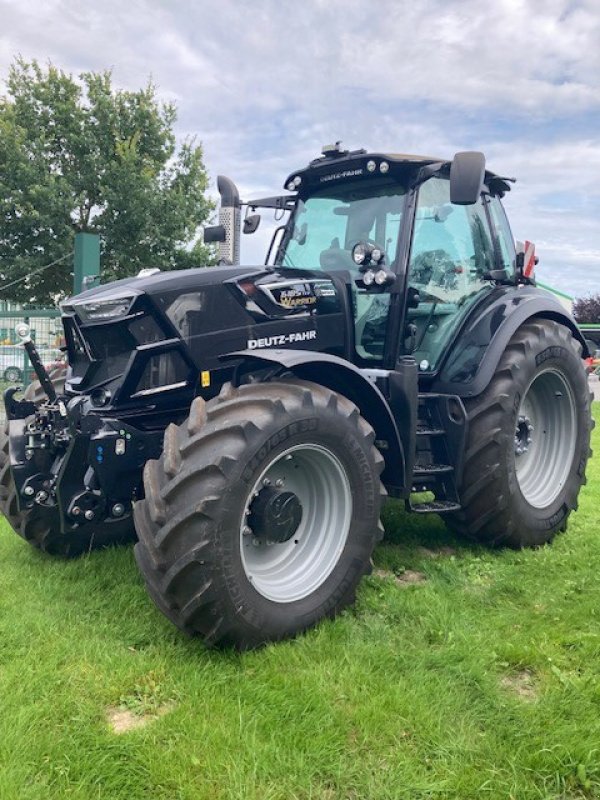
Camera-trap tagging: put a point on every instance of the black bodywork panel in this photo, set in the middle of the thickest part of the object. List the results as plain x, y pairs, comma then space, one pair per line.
473, 355
181, 323
388, 401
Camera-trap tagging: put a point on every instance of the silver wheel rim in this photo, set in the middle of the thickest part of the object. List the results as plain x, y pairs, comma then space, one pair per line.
289, 571
545, 438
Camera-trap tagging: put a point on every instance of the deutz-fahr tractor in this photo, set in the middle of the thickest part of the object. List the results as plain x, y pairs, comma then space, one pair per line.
246, 423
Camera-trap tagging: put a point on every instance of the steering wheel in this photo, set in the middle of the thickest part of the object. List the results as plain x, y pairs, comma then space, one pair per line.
434, 266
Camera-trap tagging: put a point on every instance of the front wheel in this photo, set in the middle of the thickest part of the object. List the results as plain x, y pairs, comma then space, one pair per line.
262, 513
528, 441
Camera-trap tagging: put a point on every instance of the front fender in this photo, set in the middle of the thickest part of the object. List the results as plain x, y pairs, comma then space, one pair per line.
343, 377
474, 355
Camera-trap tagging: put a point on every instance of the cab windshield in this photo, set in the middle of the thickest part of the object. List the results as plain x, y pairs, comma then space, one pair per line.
327, 225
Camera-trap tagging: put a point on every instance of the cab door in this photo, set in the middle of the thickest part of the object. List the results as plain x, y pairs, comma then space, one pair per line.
450, 259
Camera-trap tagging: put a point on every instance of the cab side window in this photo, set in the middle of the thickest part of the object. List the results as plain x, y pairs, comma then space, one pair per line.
452, 254
504, 238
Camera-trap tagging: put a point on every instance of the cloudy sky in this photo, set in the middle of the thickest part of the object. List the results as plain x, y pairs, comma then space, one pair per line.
264, 84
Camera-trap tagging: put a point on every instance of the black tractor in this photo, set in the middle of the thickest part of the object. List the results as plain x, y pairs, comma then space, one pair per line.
246, 423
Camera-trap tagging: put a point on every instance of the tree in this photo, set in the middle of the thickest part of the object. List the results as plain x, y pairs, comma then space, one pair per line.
78, 155
587, 309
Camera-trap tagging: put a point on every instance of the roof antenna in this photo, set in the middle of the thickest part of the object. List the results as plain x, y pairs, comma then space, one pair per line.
332, 150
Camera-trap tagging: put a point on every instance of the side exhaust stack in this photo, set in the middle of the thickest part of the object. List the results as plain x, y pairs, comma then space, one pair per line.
227, 232
229, 220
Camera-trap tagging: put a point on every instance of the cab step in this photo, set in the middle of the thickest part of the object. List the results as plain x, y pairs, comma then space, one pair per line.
423, 470
439, 443
435, 507
424, 430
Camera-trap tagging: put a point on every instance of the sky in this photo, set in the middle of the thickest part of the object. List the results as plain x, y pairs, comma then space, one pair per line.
265, 84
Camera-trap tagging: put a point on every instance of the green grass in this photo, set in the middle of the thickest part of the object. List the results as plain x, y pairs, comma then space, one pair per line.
481, 682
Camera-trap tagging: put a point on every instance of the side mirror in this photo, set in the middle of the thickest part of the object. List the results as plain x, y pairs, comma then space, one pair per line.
214, 233
251, 223
467, 174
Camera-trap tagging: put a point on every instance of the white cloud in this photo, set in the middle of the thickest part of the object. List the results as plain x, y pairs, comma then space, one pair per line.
263, 85
555, 203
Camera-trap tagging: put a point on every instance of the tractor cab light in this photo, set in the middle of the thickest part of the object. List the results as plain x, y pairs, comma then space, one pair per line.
360, 254
377, 255
368, 277
383, 277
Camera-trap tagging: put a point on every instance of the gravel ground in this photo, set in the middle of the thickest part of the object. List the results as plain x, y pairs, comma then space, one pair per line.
595, 387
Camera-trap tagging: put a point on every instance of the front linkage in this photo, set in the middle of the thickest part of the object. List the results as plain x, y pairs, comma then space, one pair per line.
68, 461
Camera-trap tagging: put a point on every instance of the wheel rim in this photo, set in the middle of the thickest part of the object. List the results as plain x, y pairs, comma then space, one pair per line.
545, 438
293, 569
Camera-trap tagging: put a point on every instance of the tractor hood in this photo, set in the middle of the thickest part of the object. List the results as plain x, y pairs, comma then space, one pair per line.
159, 282
147, 339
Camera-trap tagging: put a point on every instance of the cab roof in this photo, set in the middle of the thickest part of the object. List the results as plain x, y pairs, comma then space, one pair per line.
337, 164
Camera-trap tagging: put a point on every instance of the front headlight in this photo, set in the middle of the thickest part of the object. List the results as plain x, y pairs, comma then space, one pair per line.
103, 308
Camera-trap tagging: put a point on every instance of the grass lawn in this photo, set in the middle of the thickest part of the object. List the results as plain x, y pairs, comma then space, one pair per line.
461, 673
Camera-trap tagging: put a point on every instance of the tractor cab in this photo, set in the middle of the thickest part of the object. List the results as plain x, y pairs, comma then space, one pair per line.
417, 240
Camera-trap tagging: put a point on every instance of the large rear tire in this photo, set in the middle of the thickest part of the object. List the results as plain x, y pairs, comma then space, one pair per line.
528, 441
261, 516
41, 527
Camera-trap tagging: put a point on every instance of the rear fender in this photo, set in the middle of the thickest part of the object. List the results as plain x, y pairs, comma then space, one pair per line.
346, 379
474, 355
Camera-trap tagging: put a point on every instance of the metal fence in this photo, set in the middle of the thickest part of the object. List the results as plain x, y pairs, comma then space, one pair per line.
46, 332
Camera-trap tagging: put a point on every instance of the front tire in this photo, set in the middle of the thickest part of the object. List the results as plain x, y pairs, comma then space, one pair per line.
262, 513
528, 441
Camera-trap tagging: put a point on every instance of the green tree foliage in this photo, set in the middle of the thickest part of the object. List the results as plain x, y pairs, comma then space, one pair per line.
78, 155
587, 309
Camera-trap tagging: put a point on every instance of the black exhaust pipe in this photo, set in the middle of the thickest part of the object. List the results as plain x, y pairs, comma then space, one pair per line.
230, 219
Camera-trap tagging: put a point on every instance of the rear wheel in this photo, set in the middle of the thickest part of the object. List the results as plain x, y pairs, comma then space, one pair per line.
528, 441
261, 516
41, 526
